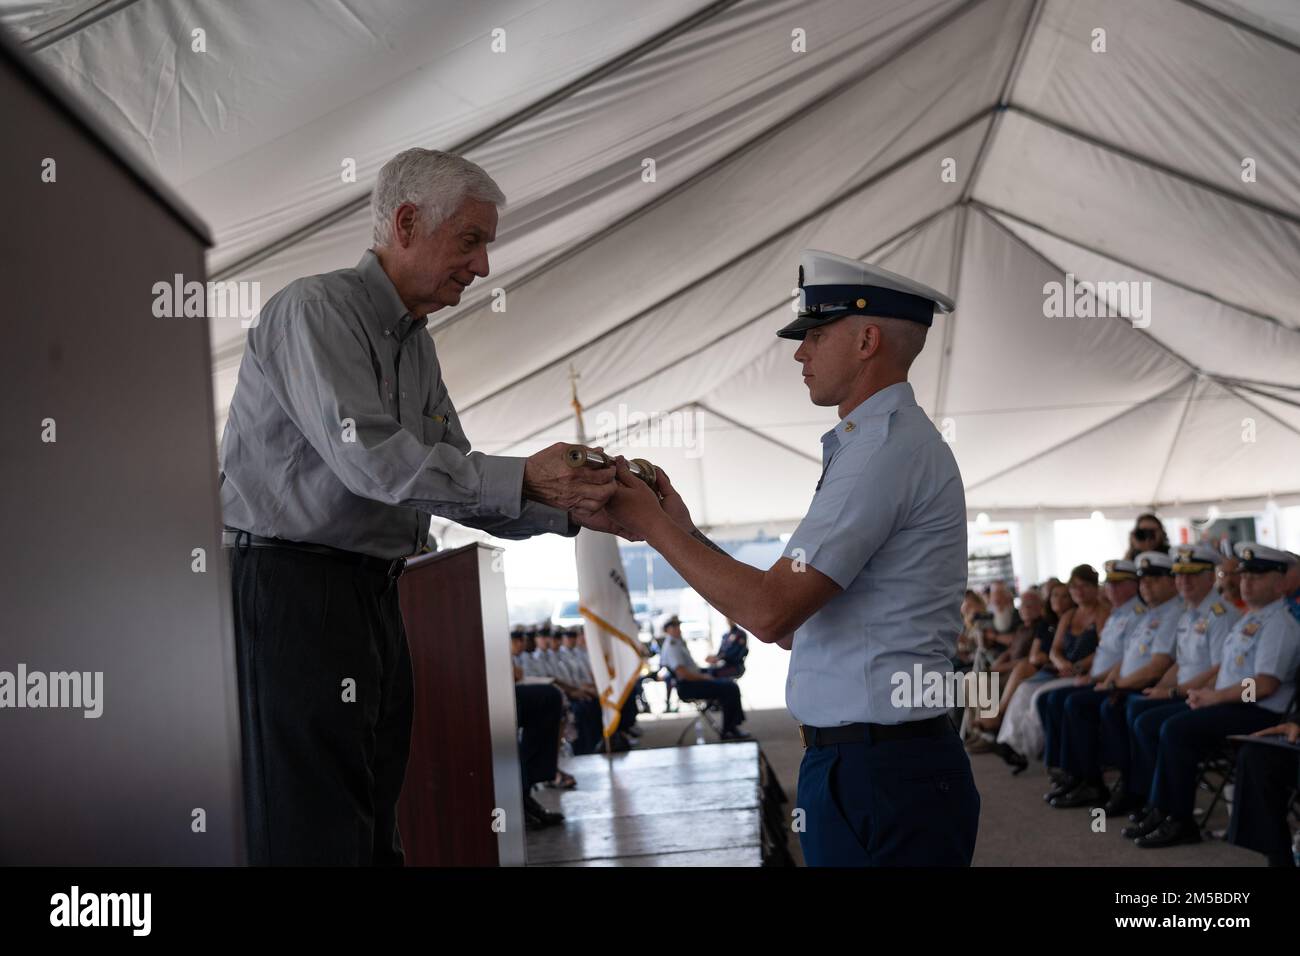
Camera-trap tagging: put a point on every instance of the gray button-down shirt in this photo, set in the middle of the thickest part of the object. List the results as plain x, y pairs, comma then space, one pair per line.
888, 525
341, 431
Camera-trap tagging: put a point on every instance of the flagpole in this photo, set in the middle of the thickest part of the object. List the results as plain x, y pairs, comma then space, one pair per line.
582, 440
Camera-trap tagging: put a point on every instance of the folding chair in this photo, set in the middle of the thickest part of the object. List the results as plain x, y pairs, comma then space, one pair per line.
703, 709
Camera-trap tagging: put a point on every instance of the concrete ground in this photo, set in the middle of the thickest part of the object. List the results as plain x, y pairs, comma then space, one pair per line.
1016, 827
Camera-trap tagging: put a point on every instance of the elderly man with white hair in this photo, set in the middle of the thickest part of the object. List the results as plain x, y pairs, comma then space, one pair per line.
341, 441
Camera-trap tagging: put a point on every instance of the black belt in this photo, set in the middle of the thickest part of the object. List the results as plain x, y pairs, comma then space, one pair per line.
874, 733
233, 538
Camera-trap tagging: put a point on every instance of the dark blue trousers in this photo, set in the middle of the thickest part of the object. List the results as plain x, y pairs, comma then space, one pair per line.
724, 692
1266, 778
1051, 712
894, 803
1095, 733
1145, 718
1186, 739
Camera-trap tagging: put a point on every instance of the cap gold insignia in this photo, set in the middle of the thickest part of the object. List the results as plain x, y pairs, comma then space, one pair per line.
1248, 553
861, 303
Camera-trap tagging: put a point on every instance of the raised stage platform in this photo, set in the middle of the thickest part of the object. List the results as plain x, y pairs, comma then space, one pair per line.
704, 805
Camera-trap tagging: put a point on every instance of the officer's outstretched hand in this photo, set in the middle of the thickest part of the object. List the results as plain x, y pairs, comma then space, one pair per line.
672, 502
549, 479
1291, 730
635, 506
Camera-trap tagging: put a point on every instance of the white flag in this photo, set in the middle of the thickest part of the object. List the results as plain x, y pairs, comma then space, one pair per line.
611, 628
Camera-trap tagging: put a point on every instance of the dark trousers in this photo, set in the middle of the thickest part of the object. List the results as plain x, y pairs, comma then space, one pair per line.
1051, 712
589, 725
724, 691
1145, 718
1095, 732
539, 708
1266, 779
325, 707
1186, 739
894, 803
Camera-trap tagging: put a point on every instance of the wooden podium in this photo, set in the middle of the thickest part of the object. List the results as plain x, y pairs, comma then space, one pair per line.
464, 764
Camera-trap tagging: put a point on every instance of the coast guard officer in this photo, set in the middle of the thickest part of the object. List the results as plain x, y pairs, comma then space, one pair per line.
1095, 729
1198, 648
1122, 622
869, 587
1254, 687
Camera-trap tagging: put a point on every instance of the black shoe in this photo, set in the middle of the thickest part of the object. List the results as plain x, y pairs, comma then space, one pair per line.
1137, 816
1016, 760
1141, 828
735, 734
1121, 801
1064, 784
1084, 795
1171, 832
633, 731
537, 817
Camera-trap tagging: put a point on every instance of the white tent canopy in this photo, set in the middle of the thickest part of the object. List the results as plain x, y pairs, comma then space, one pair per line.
1117, 166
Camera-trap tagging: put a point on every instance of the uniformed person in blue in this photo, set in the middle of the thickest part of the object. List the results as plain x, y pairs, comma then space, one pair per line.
1095, 731
868, 591
1254, 687
1198, 648
1125, 618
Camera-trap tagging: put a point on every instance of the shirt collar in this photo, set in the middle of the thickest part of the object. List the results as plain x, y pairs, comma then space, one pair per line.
389, 309
879, 405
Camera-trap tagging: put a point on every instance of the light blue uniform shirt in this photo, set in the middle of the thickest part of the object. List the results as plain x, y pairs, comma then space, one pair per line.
1266, 641
1156, 633
1120, 625
1201, 633
888, 525
674, 653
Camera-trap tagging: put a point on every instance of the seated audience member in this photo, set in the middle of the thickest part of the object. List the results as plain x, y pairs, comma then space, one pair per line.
1266, 779
539, 712
1148, 534
574, 650
730, 659
1198, 649
1228, 581
1118, 630
1045, 589
1094, 729
693, 684
1006, 619
1020, 732
975, 621
1254, 687
1291, 586
1013, 664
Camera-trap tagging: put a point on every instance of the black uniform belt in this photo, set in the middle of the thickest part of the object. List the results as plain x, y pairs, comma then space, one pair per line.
233, 538
874, 733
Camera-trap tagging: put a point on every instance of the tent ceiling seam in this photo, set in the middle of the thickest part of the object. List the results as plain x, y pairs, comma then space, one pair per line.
754, 141
1154, 164
86, 18
949, 331
1008, 84
1147, 336
608, 68
915, 229
1173, 442
587, 79
742, 255
1260, 408
1241, 24
1245, 310
1139, 404
757, 434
